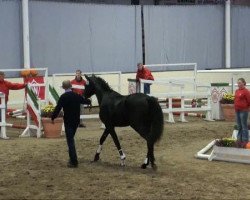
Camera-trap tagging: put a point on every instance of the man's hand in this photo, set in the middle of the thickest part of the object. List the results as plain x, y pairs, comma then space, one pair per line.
89, 104
88, 101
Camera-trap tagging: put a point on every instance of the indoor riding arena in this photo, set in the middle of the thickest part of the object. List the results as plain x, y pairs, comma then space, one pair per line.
178, 132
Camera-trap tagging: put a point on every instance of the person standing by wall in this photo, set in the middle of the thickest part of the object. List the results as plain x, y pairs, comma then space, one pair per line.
78, 87
5, 86
144, 73
70, 103
242, 104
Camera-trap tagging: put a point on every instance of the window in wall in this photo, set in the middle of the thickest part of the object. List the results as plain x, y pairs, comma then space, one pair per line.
135, 2
187, 1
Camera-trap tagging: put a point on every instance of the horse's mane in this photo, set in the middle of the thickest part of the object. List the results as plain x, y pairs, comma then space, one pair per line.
102, 83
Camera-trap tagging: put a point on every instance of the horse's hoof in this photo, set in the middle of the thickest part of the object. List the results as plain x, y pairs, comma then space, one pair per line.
154, 167
123, 164
96, 158
143, 166
123, 161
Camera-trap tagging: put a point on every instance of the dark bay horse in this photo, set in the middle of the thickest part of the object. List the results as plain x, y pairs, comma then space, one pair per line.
143, 113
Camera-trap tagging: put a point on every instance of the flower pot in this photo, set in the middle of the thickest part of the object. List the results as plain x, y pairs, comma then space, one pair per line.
230, 154
228, 112
52, 130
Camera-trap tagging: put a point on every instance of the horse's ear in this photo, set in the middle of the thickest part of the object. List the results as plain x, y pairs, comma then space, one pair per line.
86, 77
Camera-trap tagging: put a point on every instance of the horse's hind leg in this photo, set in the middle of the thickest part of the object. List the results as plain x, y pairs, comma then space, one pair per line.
150, 157
147, 159
118, 146
146, 163
144, 130
102, 139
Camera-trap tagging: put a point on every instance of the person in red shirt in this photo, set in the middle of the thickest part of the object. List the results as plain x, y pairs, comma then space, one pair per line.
5, 86
144, 73
241, 105
78, 87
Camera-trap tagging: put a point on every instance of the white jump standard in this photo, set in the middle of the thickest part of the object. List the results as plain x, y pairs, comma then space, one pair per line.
3, 123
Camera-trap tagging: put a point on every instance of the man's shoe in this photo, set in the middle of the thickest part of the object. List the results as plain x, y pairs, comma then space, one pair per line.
71, 165
82, 125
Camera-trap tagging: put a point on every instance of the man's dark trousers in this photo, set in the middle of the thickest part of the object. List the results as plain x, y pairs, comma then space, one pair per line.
70, 134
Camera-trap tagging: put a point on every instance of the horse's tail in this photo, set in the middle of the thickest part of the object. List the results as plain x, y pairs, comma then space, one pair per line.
156, 114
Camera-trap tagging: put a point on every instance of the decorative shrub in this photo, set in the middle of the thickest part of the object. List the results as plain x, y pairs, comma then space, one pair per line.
228, 98
33, 72
230, 142
197, 103
25, 72
48, 110
226, 142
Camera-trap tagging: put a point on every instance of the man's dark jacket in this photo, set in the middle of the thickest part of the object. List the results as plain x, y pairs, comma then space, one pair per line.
70, 102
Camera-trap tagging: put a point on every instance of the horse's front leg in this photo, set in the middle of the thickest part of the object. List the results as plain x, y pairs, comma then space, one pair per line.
102, 139
118, 146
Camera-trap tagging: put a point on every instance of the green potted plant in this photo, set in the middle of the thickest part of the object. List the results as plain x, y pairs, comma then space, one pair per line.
51, 130
227, 98
226, 142
227, 106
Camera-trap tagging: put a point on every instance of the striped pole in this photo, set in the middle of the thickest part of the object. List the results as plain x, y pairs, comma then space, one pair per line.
191, 114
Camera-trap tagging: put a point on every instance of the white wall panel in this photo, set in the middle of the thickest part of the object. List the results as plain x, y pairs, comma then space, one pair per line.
87, 36
176, 34
10, 35
240, 36
98, 37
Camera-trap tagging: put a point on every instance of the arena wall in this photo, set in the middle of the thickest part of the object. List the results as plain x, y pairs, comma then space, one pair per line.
96, 37
111, 79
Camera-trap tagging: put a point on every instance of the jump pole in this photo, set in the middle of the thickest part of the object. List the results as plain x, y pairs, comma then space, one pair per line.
202, 153
3, 115
16, 126
232, 71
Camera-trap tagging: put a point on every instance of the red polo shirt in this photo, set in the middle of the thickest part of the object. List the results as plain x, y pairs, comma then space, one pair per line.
242, 99
144, 73
80, 83
5, 86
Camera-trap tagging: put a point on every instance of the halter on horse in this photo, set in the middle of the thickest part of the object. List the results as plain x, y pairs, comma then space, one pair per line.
143, 113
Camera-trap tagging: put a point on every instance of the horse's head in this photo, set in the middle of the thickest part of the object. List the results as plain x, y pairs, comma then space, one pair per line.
89, 87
